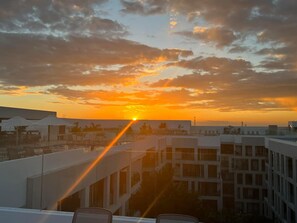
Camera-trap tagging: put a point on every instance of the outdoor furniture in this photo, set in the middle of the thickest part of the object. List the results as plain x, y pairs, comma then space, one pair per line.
92, 215
176, 218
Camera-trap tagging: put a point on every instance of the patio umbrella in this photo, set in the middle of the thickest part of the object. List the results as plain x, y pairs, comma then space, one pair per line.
14, 124
51, 121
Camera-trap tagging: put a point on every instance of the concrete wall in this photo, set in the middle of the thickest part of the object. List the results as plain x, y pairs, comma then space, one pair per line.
21, 179
14, 173
18, 215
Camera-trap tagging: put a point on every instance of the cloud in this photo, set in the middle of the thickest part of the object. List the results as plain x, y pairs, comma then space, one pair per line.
216, 64
57, 18
32, 60
275, 20
218, 35
120, 97
149, 7
72, 47
225, 84
238, 49
281, 58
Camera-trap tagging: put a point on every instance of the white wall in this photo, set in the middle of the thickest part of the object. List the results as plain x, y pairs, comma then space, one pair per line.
14, 173
18, 215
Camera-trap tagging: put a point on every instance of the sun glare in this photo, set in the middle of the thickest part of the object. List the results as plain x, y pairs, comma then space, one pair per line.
134, 119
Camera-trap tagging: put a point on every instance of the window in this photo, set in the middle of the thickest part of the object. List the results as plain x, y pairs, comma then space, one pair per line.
227, 149
277, 164
291, 192
239, 178
169, 153
185, 153
271, 159
212, 171
282, 164
263, 165
251, 193
241, 164
259, 179
208, 189
207, 154
254, 165
253, 208
191, 170
248, 179
228, 188
238, 150
248, 150
123, 181
289, 167
259, 150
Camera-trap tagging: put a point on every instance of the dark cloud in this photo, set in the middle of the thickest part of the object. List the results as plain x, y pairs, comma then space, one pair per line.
281, 58
31, 60
274, 20
57, 18
233, 85
215, 65
218, 35
149, 7
238, 49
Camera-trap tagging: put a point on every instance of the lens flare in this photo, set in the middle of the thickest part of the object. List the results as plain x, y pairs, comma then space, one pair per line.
95, 162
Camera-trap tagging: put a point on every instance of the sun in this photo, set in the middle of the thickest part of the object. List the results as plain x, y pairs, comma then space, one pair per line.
134, 119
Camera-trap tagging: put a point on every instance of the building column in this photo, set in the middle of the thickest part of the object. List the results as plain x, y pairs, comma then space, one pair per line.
123, 209
85, 197
129, 175
117, 187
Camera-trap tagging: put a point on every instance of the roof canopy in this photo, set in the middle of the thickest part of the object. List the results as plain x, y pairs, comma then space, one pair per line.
11, 124
52, 120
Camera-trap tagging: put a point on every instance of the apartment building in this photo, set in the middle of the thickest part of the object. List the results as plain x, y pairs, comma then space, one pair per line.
281, 200
249, 174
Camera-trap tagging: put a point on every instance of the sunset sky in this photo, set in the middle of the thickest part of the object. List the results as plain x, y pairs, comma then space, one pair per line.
221, 61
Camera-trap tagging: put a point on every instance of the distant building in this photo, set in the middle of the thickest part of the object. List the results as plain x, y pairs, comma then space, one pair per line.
292, 126
31, 114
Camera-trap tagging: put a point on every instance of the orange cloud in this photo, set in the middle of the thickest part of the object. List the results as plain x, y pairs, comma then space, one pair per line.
288, 102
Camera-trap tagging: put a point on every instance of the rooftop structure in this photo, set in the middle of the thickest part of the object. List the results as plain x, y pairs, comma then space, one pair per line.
9, 112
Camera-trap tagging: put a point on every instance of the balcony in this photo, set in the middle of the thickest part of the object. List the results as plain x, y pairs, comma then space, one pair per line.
19, 215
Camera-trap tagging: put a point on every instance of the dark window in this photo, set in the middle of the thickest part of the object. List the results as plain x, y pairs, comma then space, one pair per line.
254, 165
239, 178
238, 150
191, 170
242, 164
248, 179
227, 149
259, 180
185, 153
212, 171
251, 193
290, 167
248, 150
259, 150
207, 154
208, 189
169, 153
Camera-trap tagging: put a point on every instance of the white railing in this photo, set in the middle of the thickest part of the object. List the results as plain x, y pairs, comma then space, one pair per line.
20, 215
